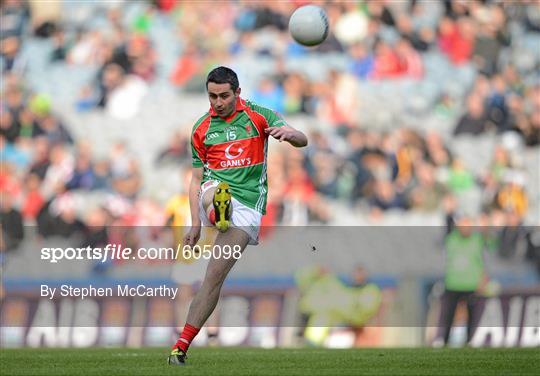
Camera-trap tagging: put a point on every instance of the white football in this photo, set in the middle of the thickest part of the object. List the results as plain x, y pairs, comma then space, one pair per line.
308, 25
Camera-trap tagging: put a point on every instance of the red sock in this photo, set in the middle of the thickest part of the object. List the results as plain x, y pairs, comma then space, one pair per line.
186, 337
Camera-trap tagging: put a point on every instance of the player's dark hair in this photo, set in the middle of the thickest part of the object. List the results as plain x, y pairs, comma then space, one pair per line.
223, 75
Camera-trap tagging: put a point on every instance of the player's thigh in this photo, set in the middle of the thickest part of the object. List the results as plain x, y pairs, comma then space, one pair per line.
228, 248
205, 199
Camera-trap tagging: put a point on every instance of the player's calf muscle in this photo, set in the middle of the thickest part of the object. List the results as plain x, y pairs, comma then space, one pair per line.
218, 269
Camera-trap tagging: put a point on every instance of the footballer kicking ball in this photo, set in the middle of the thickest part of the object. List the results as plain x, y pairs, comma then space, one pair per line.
308, 25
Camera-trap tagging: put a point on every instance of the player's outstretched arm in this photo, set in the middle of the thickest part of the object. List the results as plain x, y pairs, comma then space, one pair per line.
287, 133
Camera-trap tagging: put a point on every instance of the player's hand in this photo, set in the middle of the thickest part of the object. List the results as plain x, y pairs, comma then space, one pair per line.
284, 133
193, 235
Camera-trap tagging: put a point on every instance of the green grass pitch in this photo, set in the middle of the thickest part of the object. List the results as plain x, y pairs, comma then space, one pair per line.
249, 361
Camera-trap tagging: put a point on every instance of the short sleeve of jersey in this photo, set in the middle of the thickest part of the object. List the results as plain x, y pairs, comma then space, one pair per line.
273, 118
198, 149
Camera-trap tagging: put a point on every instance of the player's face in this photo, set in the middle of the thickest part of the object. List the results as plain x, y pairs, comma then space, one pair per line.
222, 98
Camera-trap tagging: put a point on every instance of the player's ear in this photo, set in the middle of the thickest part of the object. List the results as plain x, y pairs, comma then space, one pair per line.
237, 92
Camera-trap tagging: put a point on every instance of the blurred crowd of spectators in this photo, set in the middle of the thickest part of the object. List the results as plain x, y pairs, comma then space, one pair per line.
42, 166
44, 170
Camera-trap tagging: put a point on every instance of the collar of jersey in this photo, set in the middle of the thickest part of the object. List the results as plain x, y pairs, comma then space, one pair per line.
240, 106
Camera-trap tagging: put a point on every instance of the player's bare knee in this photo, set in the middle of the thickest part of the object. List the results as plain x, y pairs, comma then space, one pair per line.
208, 197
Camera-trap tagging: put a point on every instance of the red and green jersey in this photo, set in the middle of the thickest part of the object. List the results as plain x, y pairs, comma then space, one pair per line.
234, 150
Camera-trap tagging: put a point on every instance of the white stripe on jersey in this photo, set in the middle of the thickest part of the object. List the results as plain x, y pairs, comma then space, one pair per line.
262, 180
